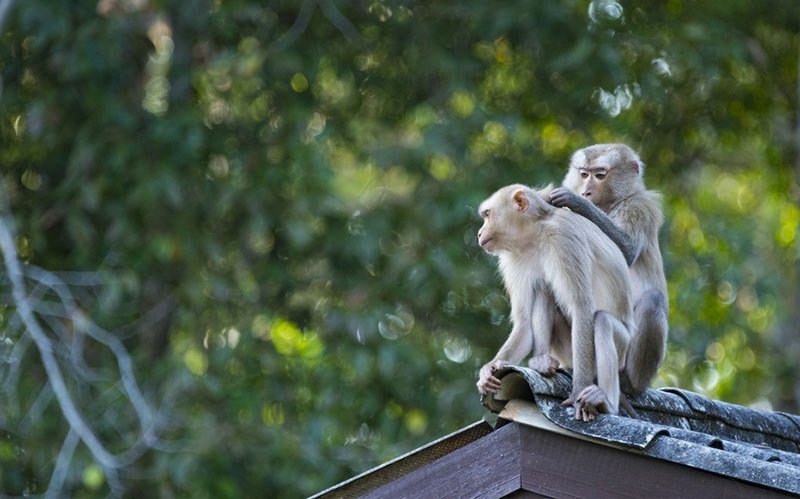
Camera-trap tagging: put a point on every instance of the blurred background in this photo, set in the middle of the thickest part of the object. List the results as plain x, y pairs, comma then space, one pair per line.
247, 228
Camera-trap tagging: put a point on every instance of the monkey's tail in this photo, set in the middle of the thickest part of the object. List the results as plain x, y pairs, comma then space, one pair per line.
623, 401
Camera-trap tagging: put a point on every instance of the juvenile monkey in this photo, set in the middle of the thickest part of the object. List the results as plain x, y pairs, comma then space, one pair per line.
604, 184
555, 262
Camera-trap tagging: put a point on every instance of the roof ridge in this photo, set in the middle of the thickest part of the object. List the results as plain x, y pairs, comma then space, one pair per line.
667, 407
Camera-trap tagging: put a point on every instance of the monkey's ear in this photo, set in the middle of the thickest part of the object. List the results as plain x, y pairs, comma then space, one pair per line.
521, 200
635, 166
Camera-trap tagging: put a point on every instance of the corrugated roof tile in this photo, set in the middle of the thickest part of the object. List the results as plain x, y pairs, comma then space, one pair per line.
676, 425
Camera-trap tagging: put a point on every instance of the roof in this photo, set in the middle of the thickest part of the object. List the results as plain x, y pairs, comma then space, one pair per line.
680, 441
363, 484
674, 425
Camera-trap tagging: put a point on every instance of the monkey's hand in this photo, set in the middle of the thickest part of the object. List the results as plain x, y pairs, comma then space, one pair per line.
544, 364
562, 197
588, 403
487, 382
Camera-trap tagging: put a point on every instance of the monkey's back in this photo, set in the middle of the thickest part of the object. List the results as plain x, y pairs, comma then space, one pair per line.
610, 271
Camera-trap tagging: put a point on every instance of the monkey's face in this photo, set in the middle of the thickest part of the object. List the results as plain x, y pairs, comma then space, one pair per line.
492, 236
593, 184
507, 218
604, 173
487, 236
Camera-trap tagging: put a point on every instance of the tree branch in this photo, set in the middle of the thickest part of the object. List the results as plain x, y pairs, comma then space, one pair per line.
63, 460
45, 347
5, 5
299, 26
331, 12
343, 24
37, 309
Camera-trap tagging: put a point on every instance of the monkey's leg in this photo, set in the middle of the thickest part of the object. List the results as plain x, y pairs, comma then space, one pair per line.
584, 368
648, 344
561, 339
610, 344
544, 334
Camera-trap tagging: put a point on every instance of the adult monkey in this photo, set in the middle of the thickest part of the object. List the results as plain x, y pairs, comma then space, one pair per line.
555, 262
604, 184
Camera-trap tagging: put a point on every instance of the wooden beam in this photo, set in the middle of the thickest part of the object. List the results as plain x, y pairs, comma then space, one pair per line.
360, 485
555, 465
521, 461
489, 467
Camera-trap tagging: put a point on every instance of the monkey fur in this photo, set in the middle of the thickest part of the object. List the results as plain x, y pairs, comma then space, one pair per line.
604, 183
570, 291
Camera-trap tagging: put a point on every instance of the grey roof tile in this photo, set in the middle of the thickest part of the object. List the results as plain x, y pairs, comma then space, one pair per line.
676, 425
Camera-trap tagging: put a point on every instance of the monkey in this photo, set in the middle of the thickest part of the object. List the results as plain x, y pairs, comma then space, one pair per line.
569, 289
604, 183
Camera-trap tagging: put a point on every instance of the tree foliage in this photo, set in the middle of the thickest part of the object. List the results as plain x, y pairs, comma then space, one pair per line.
270, 205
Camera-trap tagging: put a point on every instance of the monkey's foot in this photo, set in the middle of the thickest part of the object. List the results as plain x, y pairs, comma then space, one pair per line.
544, 364
626, 386
589, 403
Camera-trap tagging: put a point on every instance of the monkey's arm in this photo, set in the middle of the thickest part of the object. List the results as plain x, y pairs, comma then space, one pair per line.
515, 348
519, 342
563, 197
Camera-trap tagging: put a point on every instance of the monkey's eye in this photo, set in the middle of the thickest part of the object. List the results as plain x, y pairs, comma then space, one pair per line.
584, 173
485, 214
600, 174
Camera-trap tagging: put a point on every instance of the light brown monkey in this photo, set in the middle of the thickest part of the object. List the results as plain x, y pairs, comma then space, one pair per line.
555, 262
604, 184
